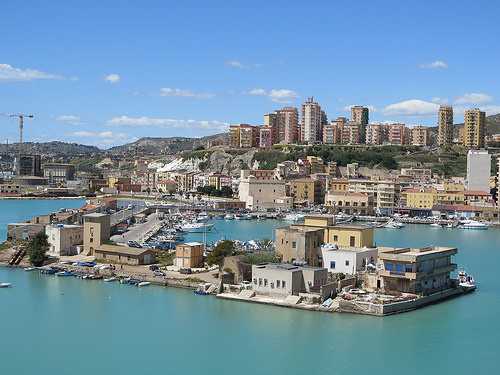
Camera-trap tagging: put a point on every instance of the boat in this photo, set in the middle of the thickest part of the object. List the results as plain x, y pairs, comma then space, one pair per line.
466, 281
436, 225
65, 273
197, 227
229, 217
5, 285
110, 279
143, 283
238, 217
472, 224
28, 269
393, 225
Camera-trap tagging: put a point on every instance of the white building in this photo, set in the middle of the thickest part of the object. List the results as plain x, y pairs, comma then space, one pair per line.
348, 260
478, 170
311, 122
64, 239
262, 194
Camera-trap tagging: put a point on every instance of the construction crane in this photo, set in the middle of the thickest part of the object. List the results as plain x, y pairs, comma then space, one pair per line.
21, 117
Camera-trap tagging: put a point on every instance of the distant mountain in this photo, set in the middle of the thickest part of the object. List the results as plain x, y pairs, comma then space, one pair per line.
172, 145
50, 148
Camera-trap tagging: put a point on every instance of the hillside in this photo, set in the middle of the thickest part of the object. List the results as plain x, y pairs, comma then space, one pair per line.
51, 148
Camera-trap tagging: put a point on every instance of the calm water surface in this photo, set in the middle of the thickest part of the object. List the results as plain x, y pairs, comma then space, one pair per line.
70, 326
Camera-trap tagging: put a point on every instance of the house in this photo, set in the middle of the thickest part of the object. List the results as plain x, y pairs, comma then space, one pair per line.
262, 194
350, 203
416, 270
64, 239
23, 231
299, 243
124, 255
282, 280
96, 230
189, 255
348, 260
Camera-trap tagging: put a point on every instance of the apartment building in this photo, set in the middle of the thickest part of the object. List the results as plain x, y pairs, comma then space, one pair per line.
63, 239
385, 193
266, 137
396, 134
478, 170
350, 203
360, 116
374, 134
416, 270
58, 173
288, 125
474, 129
189, 255
297, 243
244, 136
419, 136
271, 121
348, 260
306, 191
311, 125
445, 125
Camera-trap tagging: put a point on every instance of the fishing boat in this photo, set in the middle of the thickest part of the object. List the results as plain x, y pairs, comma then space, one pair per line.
110, 279
472, 224
5, 285
65, 273
143, 283
229, 217
28, 269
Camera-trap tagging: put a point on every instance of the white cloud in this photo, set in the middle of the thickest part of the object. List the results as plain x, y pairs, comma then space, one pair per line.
371, 108
10, 73
235, 64
276, 95
167, 123
438, 100
438, 64
167, 91
412, 107
69, 119
490, 109
104, 134
113, 78
474, 98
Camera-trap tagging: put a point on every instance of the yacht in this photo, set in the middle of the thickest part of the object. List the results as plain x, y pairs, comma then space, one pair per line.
229, 217
472, 224
197, 227
294, 217
5, 285
466, 281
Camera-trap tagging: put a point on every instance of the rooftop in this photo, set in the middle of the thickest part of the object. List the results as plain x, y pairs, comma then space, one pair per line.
132, 251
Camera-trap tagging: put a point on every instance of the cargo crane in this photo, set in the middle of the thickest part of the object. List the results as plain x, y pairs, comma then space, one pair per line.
21, 117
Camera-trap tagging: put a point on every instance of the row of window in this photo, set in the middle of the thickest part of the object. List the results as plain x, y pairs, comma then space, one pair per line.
280, 284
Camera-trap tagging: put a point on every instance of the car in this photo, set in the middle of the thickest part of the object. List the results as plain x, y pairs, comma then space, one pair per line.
159, 273
154, 267
185, 271
134, 244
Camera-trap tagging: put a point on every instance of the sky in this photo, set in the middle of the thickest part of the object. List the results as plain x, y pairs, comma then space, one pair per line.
109, 72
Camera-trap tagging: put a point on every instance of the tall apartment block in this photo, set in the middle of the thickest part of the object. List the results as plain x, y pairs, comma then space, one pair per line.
474, 128
478, 170
360, 115
311, 125
244, 136
445, 125
288, 125
419, 136
271, 121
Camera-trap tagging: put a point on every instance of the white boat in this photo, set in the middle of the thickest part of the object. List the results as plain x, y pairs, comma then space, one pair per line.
294, 217
197, 227
5, 285
436, 225
466, 281
27, 269
229, 217
143, 283
472, 224
392, 225
109, 279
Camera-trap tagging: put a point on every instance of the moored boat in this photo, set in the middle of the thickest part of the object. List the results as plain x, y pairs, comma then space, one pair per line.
5, 285
143, 283
472, 224
110, 279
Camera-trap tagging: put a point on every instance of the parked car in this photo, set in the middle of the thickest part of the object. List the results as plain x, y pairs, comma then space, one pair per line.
186, 271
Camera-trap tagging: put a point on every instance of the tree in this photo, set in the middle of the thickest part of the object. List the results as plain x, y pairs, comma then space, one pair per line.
223, 249
37, 248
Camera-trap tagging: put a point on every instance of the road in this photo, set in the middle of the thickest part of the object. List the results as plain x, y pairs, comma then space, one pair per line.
138, 232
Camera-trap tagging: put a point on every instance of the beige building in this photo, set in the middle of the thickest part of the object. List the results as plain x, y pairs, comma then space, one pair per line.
263, 194
298, 243
63, 239
189, 255
96, 230
124, 255
288, 125
244, 136
306, 191
360, 116
445, 125
385, 193
474, 128
350, 203
421, 271
419, 136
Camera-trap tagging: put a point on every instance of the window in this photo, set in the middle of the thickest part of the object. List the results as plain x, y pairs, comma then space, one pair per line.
278, 283
332, 264
352, 241
260, 281
265, 282
335, 238
283, 284
294, 244
272, 285
388, 266
347, 263
255, 281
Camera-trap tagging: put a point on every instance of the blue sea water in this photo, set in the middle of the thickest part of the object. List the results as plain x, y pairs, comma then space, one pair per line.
69, 326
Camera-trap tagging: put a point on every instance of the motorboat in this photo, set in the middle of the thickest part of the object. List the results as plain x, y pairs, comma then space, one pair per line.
143, 283
466, 281
28, 269
472, 224
391, 224
110, 279
436, 225
5, 285
229, 217
65, 273
197, 227
294, 217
